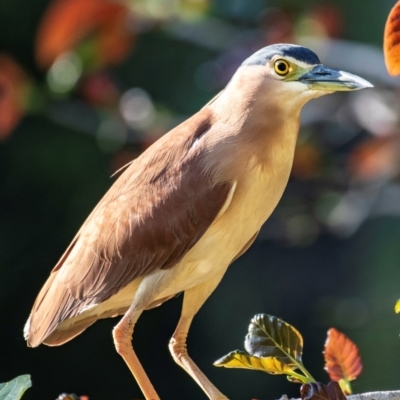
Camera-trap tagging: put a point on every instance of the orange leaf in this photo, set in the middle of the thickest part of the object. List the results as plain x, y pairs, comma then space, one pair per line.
391, 41
342, 359
14, 85
375, 158
67, 22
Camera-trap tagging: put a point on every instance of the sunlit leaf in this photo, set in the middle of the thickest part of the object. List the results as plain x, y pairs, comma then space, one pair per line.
271, 337
342, 359
241, 359
319, 391
272, 346
14, 389
397, 307
391, 41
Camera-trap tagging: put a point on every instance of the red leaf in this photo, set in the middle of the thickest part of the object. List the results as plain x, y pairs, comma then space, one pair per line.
391, 41
319, 391
342, 359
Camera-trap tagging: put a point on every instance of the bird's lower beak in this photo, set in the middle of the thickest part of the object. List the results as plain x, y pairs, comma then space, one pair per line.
332, 80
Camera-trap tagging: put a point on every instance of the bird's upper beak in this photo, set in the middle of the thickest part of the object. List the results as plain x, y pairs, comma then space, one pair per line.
332, 80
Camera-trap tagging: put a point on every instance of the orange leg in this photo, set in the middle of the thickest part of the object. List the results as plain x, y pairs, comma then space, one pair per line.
122, 335
192, 301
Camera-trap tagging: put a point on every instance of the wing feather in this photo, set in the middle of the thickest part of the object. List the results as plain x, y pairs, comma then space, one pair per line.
153, 214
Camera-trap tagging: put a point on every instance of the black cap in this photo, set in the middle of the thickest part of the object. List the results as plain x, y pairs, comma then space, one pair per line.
291, 50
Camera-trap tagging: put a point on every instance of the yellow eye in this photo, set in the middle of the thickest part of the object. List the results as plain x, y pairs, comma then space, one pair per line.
282, 67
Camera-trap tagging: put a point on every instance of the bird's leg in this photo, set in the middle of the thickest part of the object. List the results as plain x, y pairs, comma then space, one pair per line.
122, 335
192, 301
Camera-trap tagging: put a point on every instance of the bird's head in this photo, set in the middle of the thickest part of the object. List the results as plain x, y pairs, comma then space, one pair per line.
298, 72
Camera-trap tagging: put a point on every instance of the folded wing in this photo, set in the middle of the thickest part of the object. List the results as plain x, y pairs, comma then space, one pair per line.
153, 214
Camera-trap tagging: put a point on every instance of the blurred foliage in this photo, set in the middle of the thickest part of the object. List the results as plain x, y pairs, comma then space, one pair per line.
87, 85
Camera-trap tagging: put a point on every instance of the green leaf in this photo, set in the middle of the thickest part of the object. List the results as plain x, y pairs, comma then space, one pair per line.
14, 389
241, 359
272, 346
269, 336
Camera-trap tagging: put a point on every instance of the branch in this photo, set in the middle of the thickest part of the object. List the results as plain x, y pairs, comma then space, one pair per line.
389, 395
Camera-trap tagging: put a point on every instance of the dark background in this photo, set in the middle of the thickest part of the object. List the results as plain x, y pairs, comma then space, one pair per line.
329, 255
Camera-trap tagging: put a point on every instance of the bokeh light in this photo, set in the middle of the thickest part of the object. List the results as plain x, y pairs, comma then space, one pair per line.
64, 74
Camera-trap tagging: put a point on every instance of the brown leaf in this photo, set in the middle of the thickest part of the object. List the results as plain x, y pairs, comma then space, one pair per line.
342, 359
391, 41
319, 391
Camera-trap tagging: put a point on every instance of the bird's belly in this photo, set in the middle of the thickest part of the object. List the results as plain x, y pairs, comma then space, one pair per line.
251, 205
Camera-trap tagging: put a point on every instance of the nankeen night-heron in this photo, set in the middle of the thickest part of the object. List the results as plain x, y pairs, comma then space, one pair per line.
184, 210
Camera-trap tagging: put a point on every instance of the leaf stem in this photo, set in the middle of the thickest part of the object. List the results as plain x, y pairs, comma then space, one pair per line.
302, 368
300, 377
345, 385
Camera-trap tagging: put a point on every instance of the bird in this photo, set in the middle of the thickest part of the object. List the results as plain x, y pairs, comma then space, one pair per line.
185, 209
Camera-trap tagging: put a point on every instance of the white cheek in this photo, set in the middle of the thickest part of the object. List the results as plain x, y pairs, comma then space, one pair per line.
291, 90
297, 87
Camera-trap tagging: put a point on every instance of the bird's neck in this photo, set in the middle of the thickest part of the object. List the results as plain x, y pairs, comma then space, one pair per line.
261, 128
249, 98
